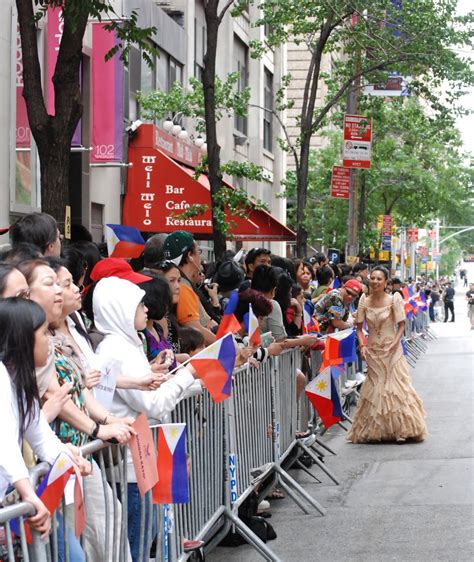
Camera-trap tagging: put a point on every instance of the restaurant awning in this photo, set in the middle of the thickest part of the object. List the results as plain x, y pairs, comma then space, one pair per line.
160, 190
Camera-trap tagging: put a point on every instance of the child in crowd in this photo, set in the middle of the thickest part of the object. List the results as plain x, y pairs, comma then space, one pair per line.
192, 341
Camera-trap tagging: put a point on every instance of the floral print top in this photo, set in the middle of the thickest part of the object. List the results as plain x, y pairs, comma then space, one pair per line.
69, 369
330, 307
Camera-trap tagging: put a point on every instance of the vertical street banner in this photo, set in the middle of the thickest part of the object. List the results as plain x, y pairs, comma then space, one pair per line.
107, 98
54, 36
23, 133
357, 147
340, 182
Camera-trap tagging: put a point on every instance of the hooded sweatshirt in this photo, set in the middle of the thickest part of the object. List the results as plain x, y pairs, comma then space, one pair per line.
115, 302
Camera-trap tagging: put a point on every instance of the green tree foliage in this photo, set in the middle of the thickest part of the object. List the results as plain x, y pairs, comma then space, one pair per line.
365, 40
419, 171
53, 133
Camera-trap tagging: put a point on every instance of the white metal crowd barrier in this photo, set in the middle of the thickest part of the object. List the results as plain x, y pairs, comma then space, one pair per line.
242, 445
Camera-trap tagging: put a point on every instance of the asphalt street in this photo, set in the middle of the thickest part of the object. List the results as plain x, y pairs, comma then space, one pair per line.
410, 502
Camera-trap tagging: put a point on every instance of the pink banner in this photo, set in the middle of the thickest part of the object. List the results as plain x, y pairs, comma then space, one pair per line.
23, 133
55, 33
107, 98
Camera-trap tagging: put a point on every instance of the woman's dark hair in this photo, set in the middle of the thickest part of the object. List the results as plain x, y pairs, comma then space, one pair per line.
22, 252
55, 263
345, 269
28, 268
261, 306
324, 275
163, 266
190, 339
286, 264
17, 345
75, 262
91, 255
383, 269
264, 278
283, 291
5, 270
157, 297
296, 290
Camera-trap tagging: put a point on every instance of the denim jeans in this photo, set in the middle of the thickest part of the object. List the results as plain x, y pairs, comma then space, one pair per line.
76, 554
134, 500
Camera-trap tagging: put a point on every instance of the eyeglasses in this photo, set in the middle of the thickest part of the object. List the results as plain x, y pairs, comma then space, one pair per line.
23, 294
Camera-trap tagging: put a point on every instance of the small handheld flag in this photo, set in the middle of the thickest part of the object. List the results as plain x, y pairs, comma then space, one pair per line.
229, 323
214, 366
254, 329
322, 394
123, 241
340, 348
309, 324
172, 485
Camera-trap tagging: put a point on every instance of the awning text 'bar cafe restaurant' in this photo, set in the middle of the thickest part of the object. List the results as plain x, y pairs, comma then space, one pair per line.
161, 187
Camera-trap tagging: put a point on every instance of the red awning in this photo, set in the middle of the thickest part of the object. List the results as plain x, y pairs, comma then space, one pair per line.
160, 190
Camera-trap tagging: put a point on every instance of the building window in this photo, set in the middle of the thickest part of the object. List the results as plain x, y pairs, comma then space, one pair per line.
162, 75
268, 112
175, 71
199, 48
241, 66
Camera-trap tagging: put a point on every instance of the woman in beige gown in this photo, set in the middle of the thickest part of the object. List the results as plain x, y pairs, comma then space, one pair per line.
389, 408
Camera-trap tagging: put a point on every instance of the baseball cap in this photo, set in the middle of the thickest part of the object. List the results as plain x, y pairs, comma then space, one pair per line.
229, 276
176, 244
117, 267
353, 285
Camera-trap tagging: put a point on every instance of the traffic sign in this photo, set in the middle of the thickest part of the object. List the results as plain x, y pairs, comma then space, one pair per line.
340, 182
413, 234
357, 147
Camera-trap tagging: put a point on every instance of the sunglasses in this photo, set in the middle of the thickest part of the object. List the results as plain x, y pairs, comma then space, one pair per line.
351, 294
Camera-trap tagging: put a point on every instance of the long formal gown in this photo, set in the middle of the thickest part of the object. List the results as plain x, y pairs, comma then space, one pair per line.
389, 408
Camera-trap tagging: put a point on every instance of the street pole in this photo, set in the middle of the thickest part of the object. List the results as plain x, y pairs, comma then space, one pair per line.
402, 253
437, 248
352, 246
412, 260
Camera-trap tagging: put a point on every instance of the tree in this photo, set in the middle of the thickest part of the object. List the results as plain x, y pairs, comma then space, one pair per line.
53, 134
366, 39
419, 172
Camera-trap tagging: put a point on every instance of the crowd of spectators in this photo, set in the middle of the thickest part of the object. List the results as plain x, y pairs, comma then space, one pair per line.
148, 317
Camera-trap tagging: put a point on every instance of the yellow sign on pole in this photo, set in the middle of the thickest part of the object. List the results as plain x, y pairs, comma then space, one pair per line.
67, 223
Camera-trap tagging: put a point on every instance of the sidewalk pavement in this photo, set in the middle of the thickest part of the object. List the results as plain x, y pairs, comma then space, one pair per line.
410, 502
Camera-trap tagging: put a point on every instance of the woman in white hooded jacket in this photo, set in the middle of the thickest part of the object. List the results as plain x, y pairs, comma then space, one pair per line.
118, 313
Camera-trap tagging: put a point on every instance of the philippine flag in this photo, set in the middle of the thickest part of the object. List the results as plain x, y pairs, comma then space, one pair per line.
229, 323
322, 394
254, 329
214, 366
309, 325
340, 348
172, 485
123, 241
53, 484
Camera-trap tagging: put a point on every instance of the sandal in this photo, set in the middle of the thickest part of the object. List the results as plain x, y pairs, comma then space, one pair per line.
276, 494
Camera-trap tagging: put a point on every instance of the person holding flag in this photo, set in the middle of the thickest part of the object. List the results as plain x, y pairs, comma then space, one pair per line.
23, 347
389, 408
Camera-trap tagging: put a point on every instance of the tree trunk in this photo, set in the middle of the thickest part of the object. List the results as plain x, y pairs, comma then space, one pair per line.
53, 134
213, 147
302, 197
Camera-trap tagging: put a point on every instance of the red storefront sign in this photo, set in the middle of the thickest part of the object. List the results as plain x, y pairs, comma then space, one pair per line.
160, 190
357, 147
413, 234
340, 182
387, 225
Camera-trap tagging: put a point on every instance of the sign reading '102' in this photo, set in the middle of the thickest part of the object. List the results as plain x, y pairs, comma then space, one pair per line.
356, 152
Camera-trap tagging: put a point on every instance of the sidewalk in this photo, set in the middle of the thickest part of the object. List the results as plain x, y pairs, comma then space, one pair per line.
410, 502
